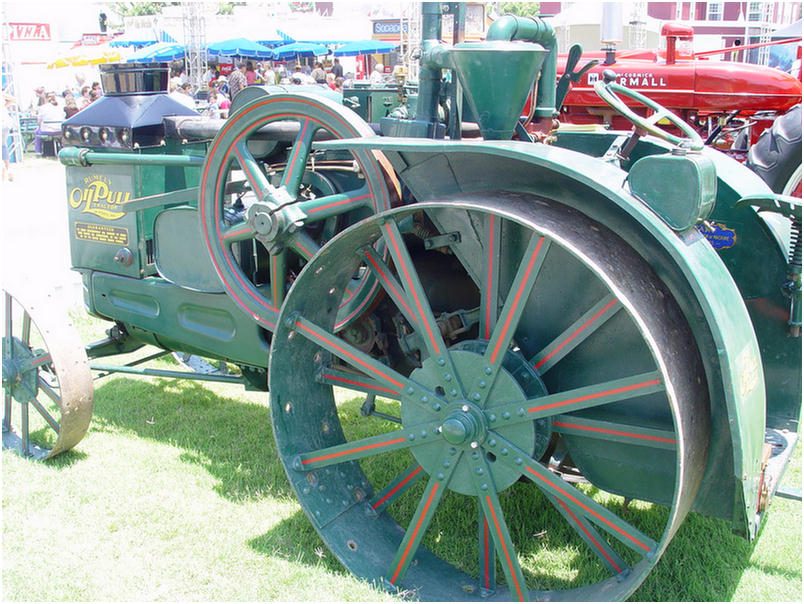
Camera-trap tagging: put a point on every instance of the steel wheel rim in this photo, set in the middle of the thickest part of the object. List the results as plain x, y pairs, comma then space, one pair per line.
229, 148
313, 454
45, 372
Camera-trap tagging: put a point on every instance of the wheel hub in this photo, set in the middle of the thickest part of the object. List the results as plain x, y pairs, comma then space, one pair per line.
463, 424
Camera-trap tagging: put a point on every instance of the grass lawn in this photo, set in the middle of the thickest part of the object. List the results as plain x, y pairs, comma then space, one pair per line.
177, 493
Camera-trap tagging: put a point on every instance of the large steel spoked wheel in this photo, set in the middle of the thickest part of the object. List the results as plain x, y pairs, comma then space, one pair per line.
579, 365
275, 208
47, 384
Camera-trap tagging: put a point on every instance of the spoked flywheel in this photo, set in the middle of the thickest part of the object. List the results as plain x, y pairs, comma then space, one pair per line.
534, 432
47, 384
293, 200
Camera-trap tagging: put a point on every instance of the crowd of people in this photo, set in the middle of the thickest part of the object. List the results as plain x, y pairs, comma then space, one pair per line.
51, 108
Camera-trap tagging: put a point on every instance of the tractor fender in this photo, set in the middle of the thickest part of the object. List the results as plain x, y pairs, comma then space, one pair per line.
686, 262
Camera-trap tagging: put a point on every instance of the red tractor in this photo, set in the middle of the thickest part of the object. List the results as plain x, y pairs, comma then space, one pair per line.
750, 111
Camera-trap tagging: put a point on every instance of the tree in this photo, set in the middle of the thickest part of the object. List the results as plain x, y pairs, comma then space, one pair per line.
520, 9
135, 9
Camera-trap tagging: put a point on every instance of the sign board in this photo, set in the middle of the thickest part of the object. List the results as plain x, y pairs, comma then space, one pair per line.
38, 32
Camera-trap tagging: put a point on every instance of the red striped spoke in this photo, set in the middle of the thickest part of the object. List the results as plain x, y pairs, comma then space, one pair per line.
304, 245
490, 279
322, 208
414, 291
591, 537
398, 487
498, 529
26, 328
581, 505
616, 432
44, 413
575, 334
389, 283
356, 381
592, 396
6, 409
367, 447
488, 567
279, 277
9, 316
41, 359
237, 232
418, 526
297, 157
49, 391
386, 376
516, 301
251, 170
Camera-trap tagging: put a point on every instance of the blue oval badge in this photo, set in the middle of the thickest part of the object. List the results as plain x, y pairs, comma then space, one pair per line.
719, 235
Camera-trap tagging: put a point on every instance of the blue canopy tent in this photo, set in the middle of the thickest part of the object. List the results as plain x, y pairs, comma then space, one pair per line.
298, 49
239, 47
156, 53
136, 38
365, 47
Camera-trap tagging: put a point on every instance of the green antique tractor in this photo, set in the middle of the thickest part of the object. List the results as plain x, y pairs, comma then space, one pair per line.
453, 318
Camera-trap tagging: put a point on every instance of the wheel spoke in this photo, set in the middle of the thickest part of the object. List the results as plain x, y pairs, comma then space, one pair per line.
615, 432
241, 231
26, 328
50, 391
490, 279
398, 487
418, 525
366, 447
575, 334
297, 158
7, 400
24, 427
304, 245
41, 359
490, 508
279, 278
576, 399
333, 205
579, 503
353, 356
355, 381
517, 300
431, 335
44, 413
389, 283
487, 565
252, 170
590, 535
9, 317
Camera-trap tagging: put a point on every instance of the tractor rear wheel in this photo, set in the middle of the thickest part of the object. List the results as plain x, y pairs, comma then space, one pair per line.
572, 363
45, 374
776, 157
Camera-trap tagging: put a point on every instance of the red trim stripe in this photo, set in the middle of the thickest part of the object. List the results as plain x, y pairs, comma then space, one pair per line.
41, 361
415, 532
617, 432
574, 334
355, 450
388, 282
390, 493
589, 535
515, 305
349, 354
337, 203
595, 395
595, 514
356, 383
436, 347
289, 167
489, 301
235, 234
486, 551
246, 169
505, 550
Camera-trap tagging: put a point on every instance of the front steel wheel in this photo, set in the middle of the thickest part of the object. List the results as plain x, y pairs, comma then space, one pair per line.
500, 456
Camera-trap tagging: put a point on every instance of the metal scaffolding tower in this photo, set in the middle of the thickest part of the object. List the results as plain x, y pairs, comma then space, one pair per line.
195, 53
410, 25
16, 144
638, 32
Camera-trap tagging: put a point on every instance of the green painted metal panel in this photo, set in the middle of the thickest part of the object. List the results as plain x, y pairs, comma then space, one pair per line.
686, 262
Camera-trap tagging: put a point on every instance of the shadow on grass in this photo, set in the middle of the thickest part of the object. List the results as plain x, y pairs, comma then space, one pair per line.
228, 437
